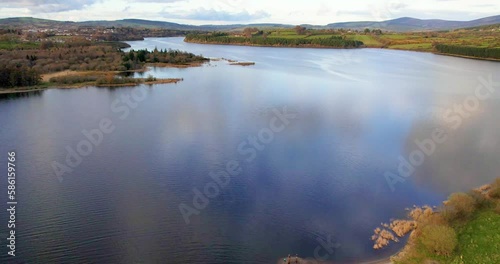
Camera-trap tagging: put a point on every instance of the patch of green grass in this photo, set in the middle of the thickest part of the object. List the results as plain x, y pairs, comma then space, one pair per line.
287, 36
395, 36
479, 239
285, 32
478, 243
368, 40
413, 46
10, 45
322, 36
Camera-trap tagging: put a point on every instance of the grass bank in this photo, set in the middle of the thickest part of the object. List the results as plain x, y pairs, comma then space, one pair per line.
465, 229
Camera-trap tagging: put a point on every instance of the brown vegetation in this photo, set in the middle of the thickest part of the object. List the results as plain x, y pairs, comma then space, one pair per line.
75, 55
242, 63
382, 237
494, 191
459, 206
64, 62
402, 227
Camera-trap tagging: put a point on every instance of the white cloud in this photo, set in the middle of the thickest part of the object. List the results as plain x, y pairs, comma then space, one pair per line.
203, 14
47, 6
231, 11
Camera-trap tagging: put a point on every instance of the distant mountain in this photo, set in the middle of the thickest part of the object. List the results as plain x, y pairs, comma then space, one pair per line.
399, 24
26, 21
23, 21
137, 23
414, 24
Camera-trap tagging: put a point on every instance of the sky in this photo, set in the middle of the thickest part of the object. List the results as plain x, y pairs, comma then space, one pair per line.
199, 12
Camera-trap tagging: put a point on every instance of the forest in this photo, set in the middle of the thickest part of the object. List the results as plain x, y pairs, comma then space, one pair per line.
478, 52
261, 39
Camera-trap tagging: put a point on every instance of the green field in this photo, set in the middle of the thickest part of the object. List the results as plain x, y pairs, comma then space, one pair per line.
370, 41
415, 46
479, 240
10, 45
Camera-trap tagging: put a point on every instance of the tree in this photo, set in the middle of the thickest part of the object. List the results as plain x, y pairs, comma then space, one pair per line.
300, 30
439, 239
46, 44
248, 32
367, 30
459, 206
495, 189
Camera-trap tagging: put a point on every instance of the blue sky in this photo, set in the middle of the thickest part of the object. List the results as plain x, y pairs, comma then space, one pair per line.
255, 11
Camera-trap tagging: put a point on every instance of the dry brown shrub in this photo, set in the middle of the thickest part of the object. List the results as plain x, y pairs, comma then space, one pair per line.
494, 192
483, 189
382, 238
402, 227
460, 206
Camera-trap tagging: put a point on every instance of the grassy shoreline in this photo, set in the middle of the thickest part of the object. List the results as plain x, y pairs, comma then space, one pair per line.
465, 229
268, 46
326, 47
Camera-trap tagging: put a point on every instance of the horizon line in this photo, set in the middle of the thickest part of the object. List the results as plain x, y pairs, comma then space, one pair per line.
242, 23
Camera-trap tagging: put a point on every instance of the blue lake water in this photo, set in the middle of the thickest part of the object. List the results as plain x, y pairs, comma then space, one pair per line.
320, 176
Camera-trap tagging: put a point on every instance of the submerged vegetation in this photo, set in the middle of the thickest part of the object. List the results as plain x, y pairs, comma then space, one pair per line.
466, 229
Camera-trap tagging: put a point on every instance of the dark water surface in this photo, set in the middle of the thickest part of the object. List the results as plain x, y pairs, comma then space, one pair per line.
356, 113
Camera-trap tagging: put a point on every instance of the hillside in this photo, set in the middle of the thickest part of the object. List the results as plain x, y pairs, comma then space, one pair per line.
404, 24
413, 24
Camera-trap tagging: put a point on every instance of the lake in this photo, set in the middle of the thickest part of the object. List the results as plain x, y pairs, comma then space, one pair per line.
298, 154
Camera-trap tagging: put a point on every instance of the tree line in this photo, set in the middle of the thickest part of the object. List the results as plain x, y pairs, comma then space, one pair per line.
469, 51
18, 76
135, 59
224, 38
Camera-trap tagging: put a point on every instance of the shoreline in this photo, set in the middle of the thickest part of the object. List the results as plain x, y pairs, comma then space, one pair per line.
86, 84
480, 201
46, 84
386, 260
269, 46
326, 47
